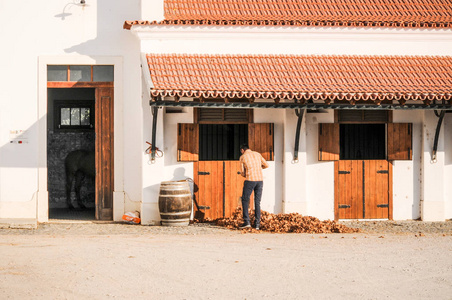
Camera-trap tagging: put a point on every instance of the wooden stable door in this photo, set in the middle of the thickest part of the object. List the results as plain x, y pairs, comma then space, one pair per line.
218, 188
104, 153
214, 150
363, 189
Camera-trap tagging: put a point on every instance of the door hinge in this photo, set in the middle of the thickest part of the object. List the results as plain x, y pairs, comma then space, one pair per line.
382, 205
344, 172
344, 206
203, 173
383, 172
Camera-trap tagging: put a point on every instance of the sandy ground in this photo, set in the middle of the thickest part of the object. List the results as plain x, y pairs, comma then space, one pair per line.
64, 262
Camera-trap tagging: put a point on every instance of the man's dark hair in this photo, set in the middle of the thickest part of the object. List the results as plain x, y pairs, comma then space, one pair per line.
244, 147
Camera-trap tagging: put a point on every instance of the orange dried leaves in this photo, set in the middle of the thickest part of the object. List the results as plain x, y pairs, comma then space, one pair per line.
285, 223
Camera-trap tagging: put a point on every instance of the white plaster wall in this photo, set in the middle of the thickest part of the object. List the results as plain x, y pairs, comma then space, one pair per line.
153, 171
32, 29
164, 168
151, 10
294, 40
320, 174
407, 173
447, 127
273, 183
433, 172
294, 179
175, 170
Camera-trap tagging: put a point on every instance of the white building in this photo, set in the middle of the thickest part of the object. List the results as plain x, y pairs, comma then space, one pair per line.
370, 93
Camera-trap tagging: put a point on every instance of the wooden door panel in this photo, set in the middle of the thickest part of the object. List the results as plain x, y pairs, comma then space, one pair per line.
400, 141
342, 179
209, 188
187, 142
356, 192
349, 189
376, 189
329, 141
218, 188
104, 153
233, 188
362, 189
260, 139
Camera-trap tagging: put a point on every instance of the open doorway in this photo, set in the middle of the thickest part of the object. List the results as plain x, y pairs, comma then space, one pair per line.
80, 140
70, 153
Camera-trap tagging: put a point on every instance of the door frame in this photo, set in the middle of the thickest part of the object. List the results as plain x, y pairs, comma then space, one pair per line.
42, 197
390, 167
226, 200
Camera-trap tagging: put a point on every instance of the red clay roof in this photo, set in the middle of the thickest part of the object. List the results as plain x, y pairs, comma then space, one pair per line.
390, 13
302, 77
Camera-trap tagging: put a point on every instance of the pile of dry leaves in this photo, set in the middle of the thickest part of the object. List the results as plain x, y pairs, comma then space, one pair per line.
284, 223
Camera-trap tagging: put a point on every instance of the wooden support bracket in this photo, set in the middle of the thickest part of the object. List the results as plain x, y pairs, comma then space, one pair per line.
155, 111
438, 129
297, 133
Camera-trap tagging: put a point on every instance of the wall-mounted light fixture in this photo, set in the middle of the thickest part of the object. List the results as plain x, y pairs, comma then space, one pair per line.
82, 2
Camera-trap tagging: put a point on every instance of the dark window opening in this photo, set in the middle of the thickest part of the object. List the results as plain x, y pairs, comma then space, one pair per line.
362, 141
74, 115
221, 141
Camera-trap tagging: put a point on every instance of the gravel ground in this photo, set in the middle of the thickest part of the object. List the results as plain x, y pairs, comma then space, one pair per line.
402, 227
105, 228
98, 260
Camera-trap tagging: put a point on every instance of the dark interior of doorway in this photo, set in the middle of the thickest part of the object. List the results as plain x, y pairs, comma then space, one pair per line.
61, 140
362, 141
221, 141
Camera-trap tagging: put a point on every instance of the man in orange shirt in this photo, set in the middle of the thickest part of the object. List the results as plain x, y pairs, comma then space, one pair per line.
251, 164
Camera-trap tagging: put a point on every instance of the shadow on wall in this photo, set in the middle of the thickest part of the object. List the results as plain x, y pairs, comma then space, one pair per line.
447, 127
153, 191
110, 35
68, 7
20, 149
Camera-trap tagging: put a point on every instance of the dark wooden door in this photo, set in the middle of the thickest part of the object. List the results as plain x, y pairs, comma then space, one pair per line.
362, 189
104, 153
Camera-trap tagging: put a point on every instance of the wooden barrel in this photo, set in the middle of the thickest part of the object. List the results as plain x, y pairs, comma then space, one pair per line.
175, 203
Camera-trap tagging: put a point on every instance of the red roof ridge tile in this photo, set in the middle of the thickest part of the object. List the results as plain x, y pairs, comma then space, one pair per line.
368, 13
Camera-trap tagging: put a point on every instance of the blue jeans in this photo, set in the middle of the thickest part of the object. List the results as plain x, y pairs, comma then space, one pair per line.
248, 188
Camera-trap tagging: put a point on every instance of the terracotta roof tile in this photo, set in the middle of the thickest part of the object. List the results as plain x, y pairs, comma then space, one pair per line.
302, 77
391, 13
